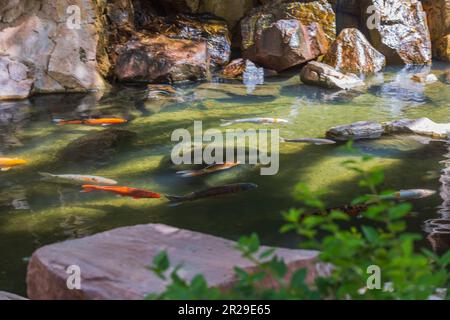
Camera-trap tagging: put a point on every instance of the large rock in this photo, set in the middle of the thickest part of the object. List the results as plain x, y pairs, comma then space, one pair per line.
210, 29
16, 79
421, 126
401, 32
351, 52
323, 75
162, 59
45, 34
231, 10
438, 13
114, 264
278, 36
356, 131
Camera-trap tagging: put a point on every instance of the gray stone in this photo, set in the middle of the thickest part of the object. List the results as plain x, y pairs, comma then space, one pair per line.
357, 130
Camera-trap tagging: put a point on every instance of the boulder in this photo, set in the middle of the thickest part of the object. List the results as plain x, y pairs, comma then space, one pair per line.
149, 58
206, 27
114, 264
351, 52
98, 146
421, 126
323, 75
425, 78
243, 68
16, 79
10, 296
438, 14
282, 35
398, 29
356, 131
61, 48
231, 10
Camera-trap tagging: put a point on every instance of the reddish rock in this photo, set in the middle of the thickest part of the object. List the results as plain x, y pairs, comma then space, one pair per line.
438, 14
323, 75
351, 52
240, 68
113, 264
161, 59
401, 32
278, 36
16, 79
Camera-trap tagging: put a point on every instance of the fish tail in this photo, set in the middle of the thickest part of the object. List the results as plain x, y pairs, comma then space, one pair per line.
45, 175
188, 173
88, 188
59, 121
225, 123
175, 200
282, 139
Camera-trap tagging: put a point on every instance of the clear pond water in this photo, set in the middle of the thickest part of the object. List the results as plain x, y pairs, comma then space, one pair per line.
34, 213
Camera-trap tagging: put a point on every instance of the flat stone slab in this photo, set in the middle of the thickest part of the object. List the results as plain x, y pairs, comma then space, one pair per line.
113, 264
10, 296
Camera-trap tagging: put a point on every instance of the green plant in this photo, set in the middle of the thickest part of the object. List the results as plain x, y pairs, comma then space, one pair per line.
351, 252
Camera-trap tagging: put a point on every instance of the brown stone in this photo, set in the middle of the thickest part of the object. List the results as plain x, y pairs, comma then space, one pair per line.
230, 10
240, 68
114, 264
425, 78
323, 75
278, 36
402, 33
438, 14
351, 52
161, 59
16, 79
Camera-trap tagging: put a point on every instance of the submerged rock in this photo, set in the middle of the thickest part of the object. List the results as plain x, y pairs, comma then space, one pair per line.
282, 35
98, 146
16, 79
161, 59
356, 131
402, 33
114, 264
162, 91
210, 29
351, 52
244, 68
438, 14
323, 75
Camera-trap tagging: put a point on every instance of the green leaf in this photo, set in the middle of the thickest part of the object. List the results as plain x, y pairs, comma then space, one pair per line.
161, 262
370, 233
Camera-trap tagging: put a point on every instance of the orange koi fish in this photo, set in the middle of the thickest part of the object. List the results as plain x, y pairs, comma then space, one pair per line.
209, 169
8, 163
92, 122
123, 191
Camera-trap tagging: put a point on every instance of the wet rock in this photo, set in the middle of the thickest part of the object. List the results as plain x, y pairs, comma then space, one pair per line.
356, 131
425, 78
438, 14
231, 10
351, 52
439, 239
10, 296
206, 27
323, 75
16, 79
62, 50
114, 264
402, 33
98, 146
446, 76
244, 68
161, 59
162, 91
279, 36
422, 126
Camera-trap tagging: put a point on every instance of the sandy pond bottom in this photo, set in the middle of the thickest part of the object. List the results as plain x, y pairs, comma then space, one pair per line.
34, 213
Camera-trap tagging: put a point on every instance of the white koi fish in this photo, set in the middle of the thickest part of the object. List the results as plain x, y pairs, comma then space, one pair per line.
253, 120
76, 179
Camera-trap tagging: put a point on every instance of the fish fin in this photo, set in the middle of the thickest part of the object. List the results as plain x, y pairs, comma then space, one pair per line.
282, 139
6, 169
46, 175
225, 123
174, 199
87, 189
188, 173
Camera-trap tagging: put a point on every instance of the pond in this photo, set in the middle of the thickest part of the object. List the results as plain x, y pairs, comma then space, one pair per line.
34, 213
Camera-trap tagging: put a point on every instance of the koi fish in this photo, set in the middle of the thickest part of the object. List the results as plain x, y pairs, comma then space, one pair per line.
211, 192
123, 191
309, 140
209, 169
76, 179
8, 163
92, 122
253, 120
